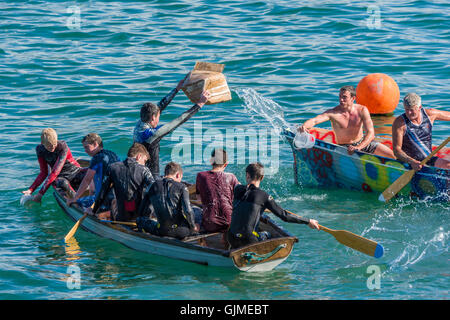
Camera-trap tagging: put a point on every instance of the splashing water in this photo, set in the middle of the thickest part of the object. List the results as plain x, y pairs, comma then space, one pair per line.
259, 107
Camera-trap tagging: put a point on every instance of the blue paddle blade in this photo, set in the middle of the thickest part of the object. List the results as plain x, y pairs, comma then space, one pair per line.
378, 251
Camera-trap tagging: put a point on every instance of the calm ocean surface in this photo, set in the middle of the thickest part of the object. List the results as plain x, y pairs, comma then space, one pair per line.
87, 66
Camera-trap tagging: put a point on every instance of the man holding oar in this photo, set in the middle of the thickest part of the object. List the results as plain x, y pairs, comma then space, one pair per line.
99, 165
248, 204
411, 133
348, 120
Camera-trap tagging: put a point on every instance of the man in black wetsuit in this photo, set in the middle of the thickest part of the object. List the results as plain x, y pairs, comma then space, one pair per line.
248, 204
149, 133
129, 179
168, 199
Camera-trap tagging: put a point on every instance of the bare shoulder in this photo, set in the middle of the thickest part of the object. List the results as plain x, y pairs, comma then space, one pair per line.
431, 112
333, 111
399, 123
361, 109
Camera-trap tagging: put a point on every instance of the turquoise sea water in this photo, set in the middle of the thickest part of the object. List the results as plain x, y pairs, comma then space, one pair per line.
83, 66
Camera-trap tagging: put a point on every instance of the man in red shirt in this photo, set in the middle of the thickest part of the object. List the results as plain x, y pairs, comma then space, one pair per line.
215, 189
65, 170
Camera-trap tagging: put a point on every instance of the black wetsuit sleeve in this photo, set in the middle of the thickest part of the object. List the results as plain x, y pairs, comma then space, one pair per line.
167, 99
172, 125
188, 213
146, 208
106, 187
148, 178
283, 214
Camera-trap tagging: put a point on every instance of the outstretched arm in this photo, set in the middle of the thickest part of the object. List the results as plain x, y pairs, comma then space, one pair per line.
436, 114
314, 121
40, 178
185, 116
83, 186
169, 97
283, 214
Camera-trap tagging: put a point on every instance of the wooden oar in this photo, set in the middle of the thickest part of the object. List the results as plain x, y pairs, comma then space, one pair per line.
405, 178
74, 228
354, 241
133, 224
344, 237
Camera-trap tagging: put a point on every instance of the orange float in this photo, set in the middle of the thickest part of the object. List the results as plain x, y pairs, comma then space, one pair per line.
379, 93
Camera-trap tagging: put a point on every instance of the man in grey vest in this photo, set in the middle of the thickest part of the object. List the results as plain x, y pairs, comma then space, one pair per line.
411, 133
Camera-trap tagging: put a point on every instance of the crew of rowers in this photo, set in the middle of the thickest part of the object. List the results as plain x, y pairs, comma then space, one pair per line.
133, 190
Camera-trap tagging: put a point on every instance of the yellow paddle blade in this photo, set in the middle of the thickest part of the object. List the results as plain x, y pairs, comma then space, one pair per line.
74, 228
356, 242
353, 241
398, 185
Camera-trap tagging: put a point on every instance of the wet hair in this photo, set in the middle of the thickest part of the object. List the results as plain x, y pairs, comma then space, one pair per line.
255, 171
412, 100
172, 168
92, 138
136, 149
218, 157
350, 89
49, 136
148, 110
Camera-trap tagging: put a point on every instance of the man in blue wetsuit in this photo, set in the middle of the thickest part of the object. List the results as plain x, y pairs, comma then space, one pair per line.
249, 203
100, 162
149, 133
411, 133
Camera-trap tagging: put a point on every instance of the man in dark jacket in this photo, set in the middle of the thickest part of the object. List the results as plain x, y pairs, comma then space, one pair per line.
129, 179
168, 199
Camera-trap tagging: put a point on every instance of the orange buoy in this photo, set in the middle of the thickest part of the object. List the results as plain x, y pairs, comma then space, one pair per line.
379, 93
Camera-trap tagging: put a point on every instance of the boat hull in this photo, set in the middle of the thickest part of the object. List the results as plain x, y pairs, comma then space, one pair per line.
327, 164
191, 251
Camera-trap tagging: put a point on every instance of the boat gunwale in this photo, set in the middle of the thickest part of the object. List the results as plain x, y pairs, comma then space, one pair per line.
341, 150
172, 241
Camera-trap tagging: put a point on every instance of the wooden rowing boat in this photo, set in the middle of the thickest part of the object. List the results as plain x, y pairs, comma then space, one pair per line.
327, 164
207, 249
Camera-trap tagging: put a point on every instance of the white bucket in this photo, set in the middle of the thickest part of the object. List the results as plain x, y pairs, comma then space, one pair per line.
304, 140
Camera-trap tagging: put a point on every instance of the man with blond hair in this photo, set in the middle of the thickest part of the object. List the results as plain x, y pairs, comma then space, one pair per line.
411, 133
65, 172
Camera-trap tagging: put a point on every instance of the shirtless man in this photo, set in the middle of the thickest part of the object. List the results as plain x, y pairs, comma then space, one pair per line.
411, 133
348, 120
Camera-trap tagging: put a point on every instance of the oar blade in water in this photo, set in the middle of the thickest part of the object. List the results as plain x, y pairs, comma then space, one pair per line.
74, 228
397, 186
